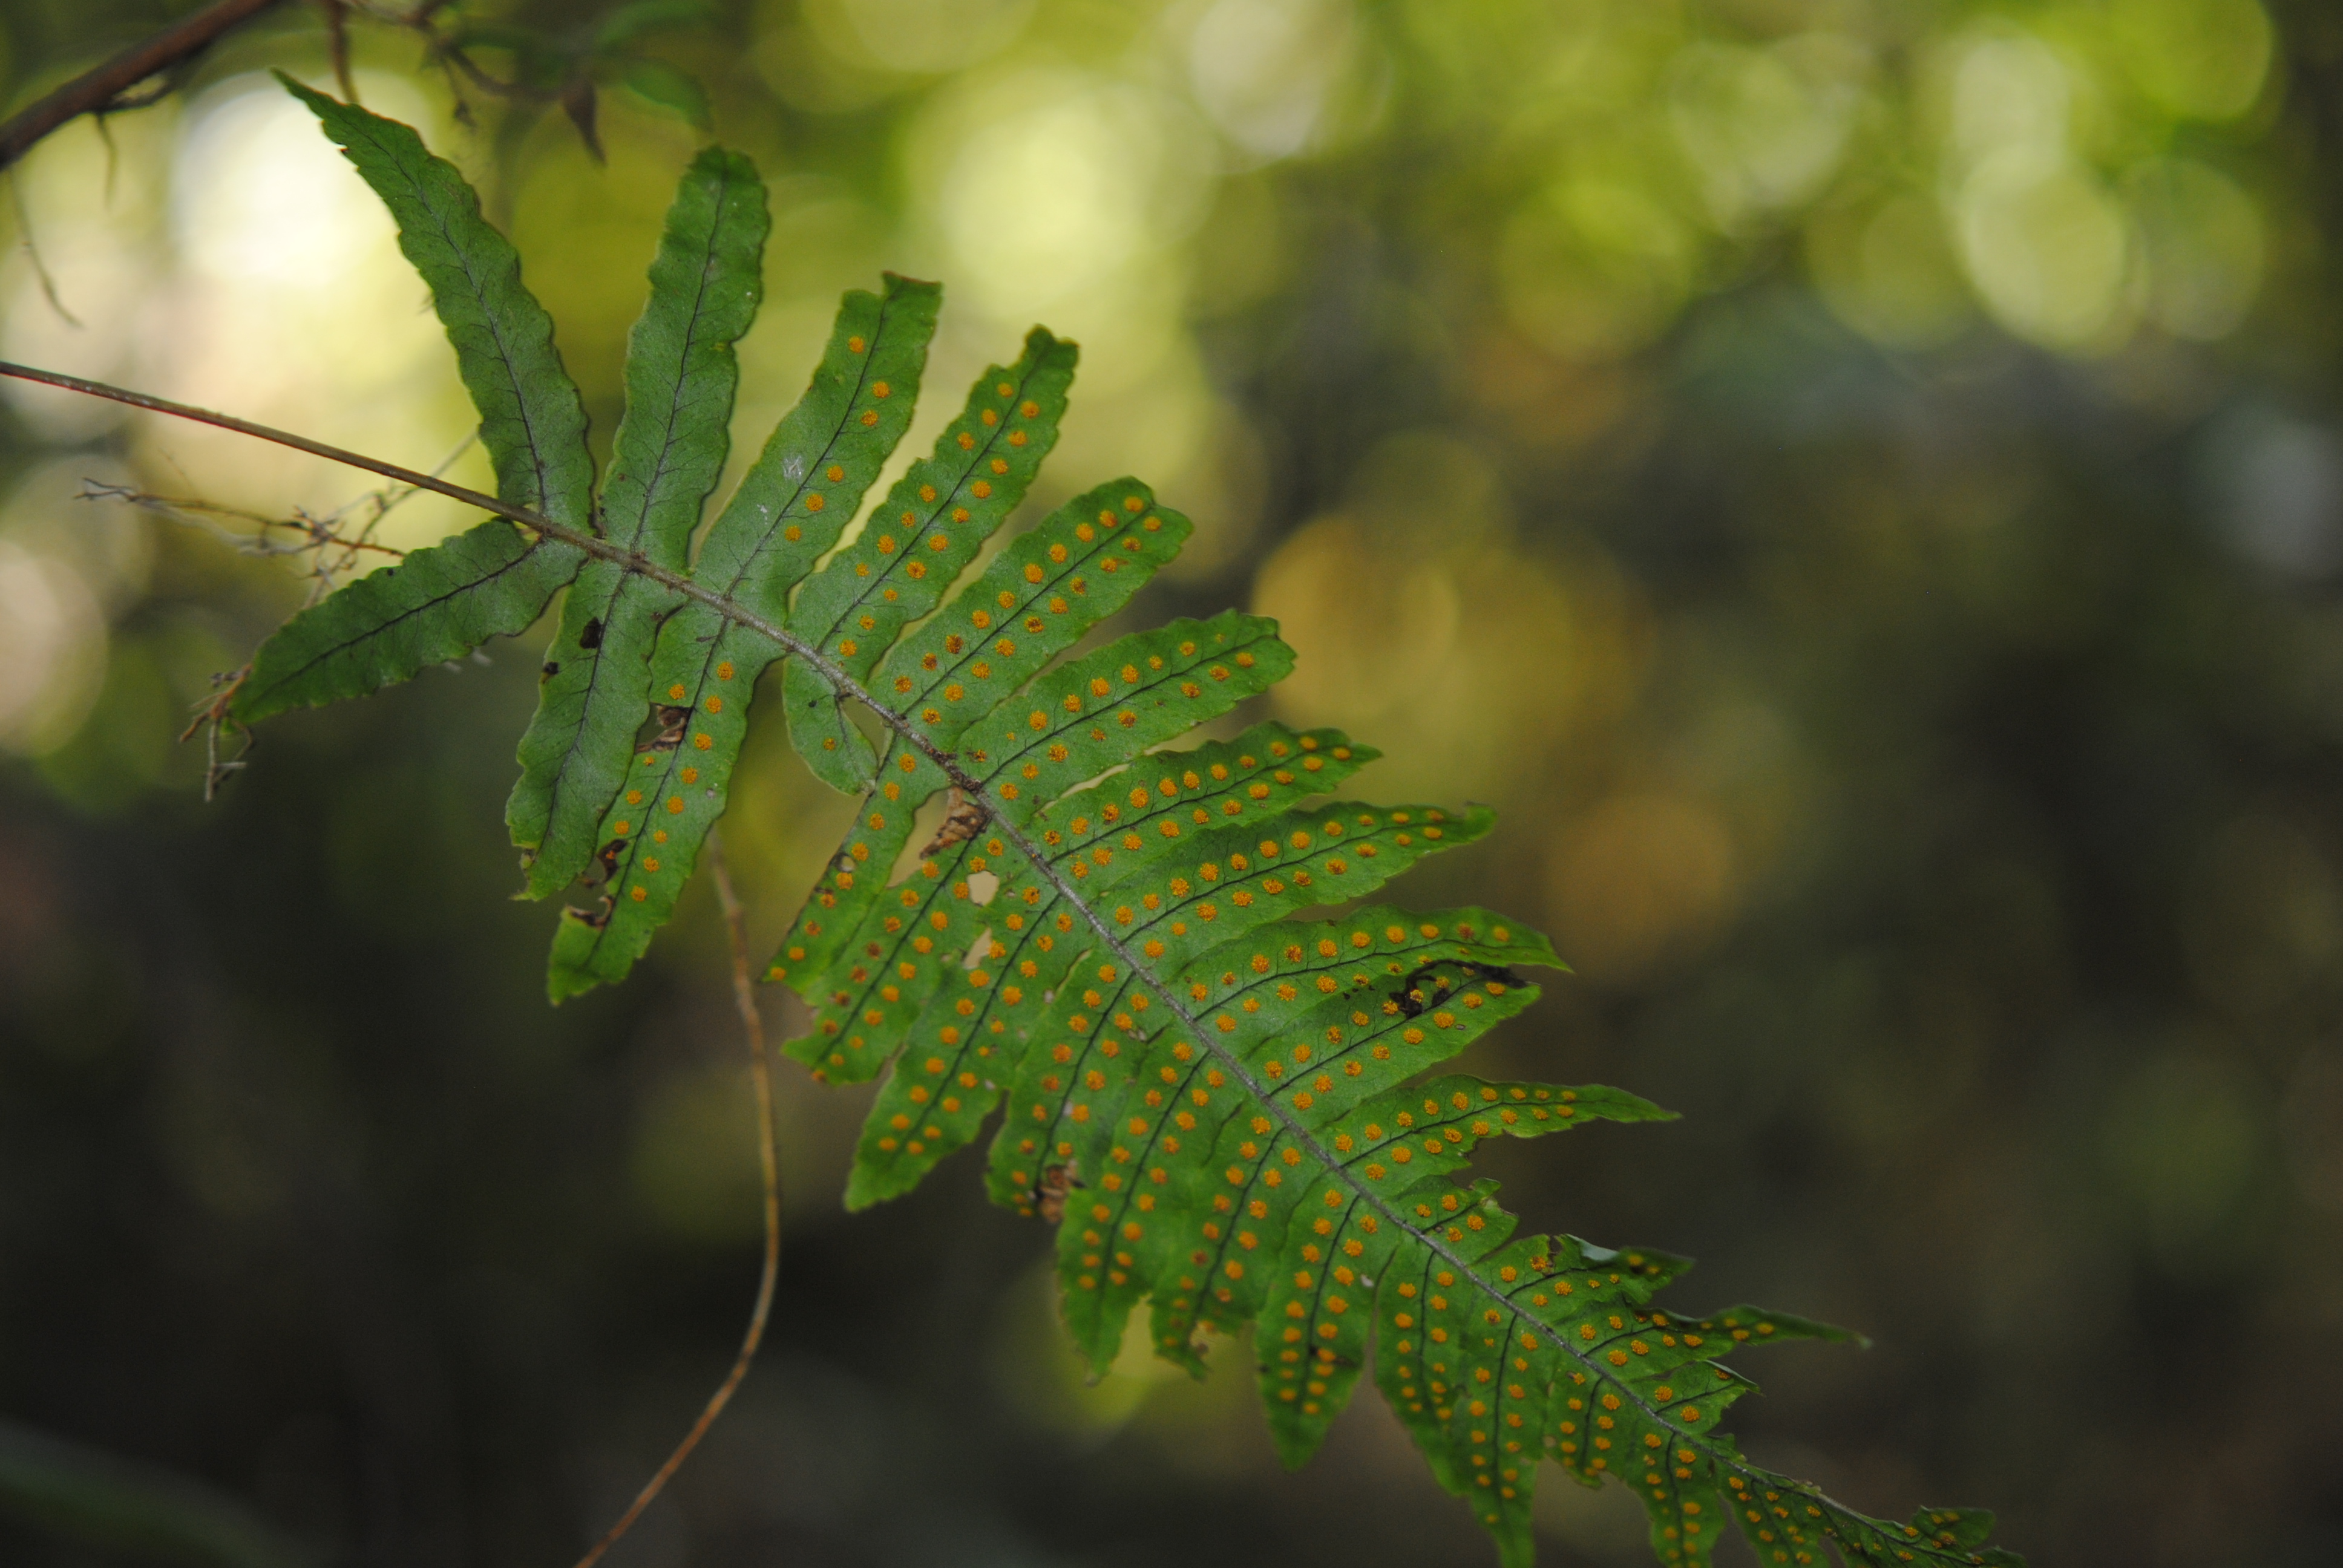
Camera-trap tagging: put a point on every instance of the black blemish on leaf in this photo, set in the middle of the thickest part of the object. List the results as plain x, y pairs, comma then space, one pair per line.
549, 671
964, 820
671, 723
596, 917
1415, 995
590, 636
1057, 1181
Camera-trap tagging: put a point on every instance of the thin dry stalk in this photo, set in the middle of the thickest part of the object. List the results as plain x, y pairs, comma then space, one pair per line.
752, 1023
337, 542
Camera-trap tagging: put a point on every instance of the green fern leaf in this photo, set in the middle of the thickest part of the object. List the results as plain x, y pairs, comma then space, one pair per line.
595, 694
437, 605
442, 602
1036, 599
942, 1084
1228, 1101
1052, 735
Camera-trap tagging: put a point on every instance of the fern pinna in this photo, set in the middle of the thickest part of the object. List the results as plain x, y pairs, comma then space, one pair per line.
1217, 1095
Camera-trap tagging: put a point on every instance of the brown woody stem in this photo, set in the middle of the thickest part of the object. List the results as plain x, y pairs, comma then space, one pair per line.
94, 90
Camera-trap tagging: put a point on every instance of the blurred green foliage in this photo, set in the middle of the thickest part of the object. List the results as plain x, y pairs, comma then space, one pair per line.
1861, 485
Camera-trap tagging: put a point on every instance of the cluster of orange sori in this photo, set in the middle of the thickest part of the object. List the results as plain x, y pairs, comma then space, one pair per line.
698, 653
951, 486
1064, 1087
950, 501
938, 660
1224, 779
833, 1016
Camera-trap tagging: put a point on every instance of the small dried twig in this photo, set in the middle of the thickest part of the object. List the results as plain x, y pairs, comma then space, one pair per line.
212, 718
334, 541
310, 532
33, 252
752, 1023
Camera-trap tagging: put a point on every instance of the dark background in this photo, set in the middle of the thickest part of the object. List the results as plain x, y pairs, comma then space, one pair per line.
1859, 482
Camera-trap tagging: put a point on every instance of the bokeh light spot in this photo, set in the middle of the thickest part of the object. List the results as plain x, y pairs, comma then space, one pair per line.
1264, 70
1639, 879
2204, 59
2049, 248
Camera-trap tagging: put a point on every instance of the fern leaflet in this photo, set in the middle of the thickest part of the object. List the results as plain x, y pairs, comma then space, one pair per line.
489, 582
1216, 1089
680, 377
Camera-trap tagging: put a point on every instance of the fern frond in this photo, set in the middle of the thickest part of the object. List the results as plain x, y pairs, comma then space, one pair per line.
1227, 1099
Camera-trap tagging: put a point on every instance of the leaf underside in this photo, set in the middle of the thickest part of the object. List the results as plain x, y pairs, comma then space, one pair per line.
1117, 936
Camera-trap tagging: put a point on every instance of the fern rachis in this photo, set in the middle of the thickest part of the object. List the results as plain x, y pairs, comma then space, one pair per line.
1217, 1096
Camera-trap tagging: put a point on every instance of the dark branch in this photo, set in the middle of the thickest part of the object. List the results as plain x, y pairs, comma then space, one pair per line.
103, 88
337, 47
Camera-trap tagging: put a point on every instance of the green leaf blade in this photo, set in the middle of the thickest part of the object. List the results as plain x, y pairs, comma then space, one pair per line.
1036, 599
593, 696
1319, 1053
490, 581
805, 484
705, 282
657, 83
624, 24
1101, 710
929, 527
1070, 743
1168, 917
532, 419
953, 1061
437, 605
790, 508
